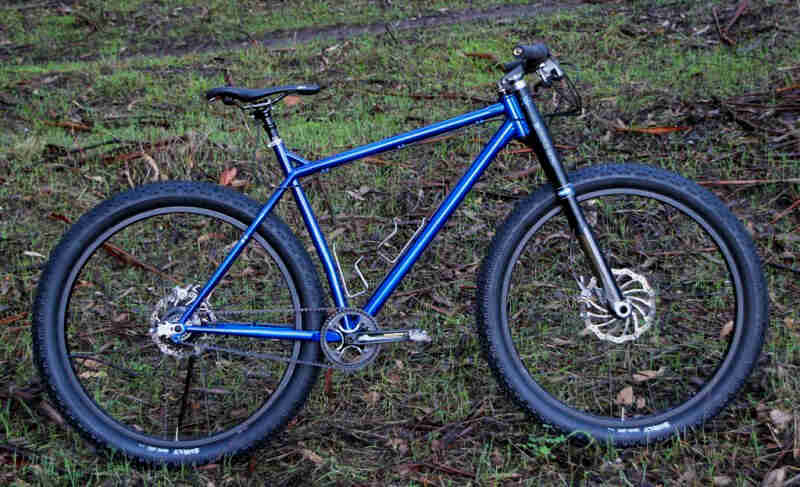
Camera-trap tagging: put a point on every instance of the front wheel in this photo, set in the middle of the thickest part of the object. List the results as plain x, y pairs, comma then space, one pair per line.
137, 261
682, 261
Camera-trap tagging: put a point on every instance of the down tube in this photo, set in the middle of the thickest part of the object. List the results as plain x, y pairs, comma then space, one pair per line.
506, 132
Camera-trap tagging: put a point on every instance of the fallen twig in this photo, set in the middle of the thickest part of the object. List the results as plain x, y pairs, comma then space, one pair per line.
786, 211
80, 127
120, 254
149, 148
652, 130
722, 35
435, 466
743, 4
11, 319
784, 267
129, 259
788, 88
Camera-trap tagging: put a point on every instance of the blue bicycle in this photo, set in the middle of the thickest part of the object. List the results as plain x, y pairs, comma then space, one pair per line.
181, 322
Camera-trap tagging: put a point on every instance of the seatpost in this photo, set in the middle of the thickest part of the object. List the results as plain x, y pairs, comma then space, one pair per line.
265, 116
542, 144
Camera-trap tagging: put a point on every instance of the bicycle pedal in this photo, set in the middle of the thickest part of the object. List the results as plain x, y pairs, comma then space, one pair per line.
392, 336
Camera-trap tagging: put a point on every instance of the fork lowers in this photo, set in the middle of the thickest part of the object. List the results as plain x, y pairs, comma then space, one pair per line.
542, 144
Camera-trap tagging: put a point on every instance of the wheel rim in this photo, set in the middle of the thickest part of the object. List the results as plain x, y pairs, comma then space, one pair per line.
669, 367
106, 311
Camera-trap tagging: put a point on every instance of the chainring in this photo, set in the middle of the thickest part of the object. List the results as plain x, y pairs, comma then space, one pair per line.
344, 354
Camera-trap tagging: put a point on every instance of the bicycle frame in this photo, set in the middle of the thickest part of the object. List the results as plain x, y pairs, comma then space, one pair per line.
296, 168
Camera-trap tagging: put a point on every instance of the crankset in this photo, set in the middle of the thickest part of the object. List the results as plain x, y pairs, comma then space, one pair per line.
351, 340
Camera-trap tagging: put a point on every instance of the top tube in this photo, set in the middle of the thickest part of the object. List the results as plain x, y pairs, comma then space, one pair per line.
395, 142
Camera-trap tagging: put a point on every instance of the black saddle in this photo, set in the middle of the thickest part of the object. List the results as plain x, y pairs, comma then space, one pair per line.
247, 95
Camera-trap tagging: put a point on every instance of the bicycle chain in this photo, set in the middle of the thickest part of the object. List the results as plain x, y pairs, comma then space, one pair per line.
200, 348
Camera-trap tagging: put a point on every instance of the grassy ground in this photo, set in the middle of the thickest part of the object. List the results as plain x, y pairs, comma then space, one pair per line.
75, 131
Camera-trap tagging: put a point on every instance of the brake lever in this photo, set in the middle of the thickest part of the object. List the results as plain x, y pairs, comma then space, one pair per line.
549, 71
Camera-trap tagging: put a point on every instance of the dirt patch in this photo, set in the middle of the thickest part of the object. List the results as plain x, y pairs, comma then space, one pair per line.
280, 39
165, 45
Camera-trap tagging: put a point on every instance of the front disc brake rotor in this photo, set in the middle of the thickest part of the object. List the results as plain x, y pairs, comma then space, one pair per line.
637, 293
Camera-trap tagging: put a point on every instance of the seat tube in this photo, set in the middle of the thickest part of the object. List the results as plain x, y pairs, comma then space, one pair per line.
314, 230
542, 144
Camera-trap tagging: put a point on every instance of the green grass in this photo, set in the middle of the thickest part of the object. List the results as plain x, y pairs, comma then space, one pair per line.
371, 426
104, 29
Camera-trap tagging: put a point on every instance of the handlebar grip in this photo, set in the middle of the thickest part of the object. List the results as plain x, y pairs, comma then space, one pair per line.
532, 53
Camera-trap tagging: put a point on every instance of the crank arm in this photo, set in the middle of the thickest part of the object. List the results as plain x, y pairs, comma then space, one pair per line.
389, 336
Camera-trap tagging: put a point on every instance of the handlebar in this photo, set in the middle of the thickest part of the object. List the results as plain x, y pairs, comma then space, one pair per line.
529, 56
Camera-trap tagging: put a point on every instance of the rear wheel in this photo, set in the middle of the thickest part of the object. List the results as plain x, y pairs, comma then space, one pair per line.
137, 261
685, 265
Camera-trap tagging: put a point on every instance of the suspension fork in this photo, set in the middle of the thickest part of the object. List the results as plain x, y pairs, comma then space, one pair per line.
542, 144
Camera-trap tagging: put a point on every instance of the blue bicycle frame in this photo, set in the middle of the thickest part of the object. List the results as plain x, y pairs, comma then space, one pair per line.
295, 168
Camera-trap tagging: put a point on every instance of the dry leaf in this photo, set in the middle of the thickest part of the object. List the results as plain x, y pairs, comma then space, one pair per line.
291, 100
399, 445
775, 478
372, 397
482, 55
726, 330
722, 480
394, 379
645, 375
405, 469
310, 455
152, 163
89, 374
355, 195
790, 323
780, 418
227, 176
91, 364
51, 412
625, 397
688, 477
208, 236
497, 458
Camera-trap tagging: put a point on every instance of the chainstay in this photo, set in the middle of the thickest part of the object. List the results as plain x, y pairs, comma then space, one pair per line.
200, 348
280, 310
